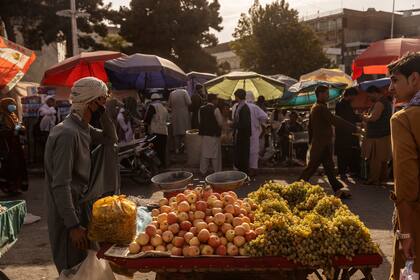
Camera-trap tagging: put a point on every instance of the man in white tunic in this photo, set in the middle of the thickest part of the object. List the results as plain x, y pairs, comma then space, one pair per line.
179, 102
210, 128
258, 118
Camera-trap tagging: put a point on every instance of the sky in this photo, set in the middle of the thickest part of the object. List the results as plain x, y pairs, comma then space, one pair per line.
231, 10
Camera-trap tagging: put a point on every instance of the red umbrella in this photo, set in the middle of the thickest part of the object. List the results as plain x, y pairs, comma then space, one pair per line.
74, 68
379, 54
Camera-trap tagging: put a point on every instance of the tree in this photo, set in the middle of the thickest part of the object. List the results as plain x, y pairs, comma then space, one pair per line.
271, 40
177, 30
39, 24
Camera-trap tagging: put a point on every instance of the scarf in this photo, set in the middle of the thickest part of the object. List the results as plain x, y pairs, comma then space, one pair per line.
10, 120
415, 101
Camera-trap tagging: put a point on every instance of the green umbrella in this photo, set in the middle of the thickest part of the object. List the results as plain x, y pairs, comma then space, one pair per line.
260, 85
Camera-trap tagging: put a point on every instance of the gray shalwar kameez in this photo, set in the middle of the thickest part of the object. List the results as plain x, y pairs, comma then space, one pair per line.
67, 174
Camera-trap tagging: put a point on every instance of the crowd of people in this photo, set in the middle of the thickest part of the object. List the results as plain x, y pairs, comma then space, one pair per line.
248, 127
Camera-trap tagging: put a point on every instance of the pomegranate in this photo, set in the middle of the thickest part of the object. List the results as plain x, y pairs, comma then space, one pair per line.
237, 221
223, 240
155, 212
188, 236
181, 233
194, 230
183, 216
229, 217
192, 197
246, 226
214, 211
147, 248
209, 219
242, 252
193, 251
218, 204
161, 248
201, 225
172, 200
250, 235
213, 227
194, 241
165, 209
226, 227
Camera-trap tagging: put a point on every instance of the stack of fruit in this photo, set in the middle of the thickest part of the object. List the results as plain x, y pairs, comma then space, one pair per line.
304, 224
200, 222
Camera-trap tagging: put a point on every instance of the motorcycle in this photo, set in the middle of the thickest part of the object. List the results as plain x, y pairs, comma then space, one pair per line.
138, 160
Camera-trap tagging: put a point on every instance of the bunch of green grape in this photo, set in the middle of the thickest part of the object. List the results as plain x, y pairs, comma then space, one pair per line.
305, 225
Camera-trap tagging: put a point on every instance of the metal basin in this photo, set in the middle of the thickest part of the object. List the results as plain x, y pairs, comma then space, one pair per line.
226, 180
172, 180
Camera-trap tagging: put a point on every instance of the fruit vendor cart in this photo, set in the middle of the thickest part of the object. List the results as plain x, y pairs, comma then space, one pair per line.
11, 221
241, 267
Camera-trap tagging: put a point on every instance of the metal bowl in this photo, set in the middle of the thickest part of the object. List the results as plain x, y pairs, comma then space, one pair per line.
227, 180
172, 180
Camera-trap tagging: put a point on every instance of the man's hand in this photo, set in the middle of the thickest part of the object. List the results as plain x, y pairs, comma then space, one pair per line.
78, 237
407, 248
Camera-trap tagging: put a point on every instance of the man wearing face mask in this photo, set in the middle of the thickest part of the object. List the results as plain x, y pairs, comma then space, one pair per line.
68, 171
13, 173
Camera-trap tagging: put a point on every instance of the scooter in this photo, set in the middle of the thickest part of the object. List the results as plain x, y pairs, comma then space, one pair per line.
138, 160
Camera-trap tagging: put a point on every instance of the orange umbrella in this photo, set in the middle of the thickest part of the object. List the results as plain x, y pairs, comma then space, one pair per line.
378, 55
15, 61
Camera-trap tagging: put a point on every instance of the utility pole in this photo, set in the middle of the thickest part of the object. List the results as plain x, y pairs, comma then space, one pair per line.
73, 14
393, 18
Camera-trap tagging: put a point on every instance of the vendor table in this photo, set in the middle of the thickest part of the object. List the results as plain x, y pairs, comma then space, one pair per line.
11, 222
262, 267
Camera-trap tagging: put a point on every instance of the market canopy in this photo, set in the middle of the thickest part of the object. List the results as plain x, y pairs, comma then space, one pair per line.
260, 85
76, 67
286, 80
198, 78
15, 61
378, 55
379, 83
143, 71
328, 75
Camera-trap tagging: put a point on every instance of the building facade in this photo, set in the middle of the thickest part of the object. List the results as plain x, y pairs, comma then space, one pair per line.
346, 33
225, 57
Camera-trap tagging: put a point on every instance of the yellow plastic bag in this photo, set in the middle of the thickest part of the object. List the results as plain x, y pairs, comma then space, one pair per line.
113, 220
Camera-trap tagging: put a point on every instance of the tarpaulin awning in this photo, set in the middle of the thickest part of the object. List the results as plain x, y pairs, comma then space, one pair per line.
85, 64
15, 61
378, 55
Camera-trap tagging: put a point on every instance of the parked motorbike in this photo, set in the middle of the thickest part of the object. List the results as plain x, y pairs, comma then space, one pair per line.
138, 160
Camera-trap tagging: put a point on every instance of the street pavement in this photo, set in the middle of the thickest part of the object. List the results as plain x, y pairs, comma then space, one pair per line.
31, 258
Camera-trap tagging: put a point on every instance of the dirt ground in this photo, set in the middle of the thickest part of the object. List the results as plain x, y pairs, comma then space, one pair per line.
31, 258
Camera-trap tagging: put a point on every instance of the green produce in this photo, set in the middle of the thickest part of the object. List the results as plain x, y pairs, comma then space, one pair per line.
305, 225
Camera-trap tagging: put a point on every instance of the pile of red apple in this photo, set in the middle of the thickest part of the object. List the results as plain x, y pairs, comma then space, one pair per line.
199, 222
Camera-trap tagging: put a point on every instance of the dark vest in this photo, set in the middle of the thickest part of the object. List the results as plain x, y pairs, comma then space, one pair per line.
381, 127
208, 123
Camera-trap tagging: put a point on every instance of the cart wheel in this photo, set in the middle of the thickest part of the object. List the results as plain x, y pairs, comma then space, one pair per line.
3, 276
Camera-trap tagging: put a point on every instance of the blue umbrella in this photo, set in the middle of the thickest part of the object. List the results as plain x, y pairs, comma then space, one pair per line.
380, 83
142, 71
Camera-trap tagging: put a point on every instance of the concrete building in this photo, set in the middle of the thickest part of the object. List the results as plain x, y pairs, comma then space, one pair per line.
225, 57
346, 33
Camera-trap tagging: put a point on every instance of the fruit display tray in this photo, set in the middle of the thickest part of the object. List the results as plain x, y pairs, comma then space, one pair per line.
344, 267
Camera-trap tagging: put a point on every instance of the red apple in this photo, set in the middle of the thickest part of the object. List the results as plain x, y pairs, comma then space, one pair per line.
201, 205
221, 250
174, 228
203, 235
176, 251
214, 241
250, 235
186, 225
151, 230
178, 241
172, 218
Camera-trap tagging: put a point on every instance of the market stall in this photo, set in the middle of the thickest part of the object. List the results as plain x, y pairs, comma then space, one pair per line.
12, 215
277, 232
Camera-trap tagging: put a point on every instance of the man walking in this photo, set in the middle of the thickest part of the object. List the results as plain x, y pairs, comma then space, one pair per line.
242, 132
405, 134
210, 129
347, 146
179, 102
68, 171
320, 131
